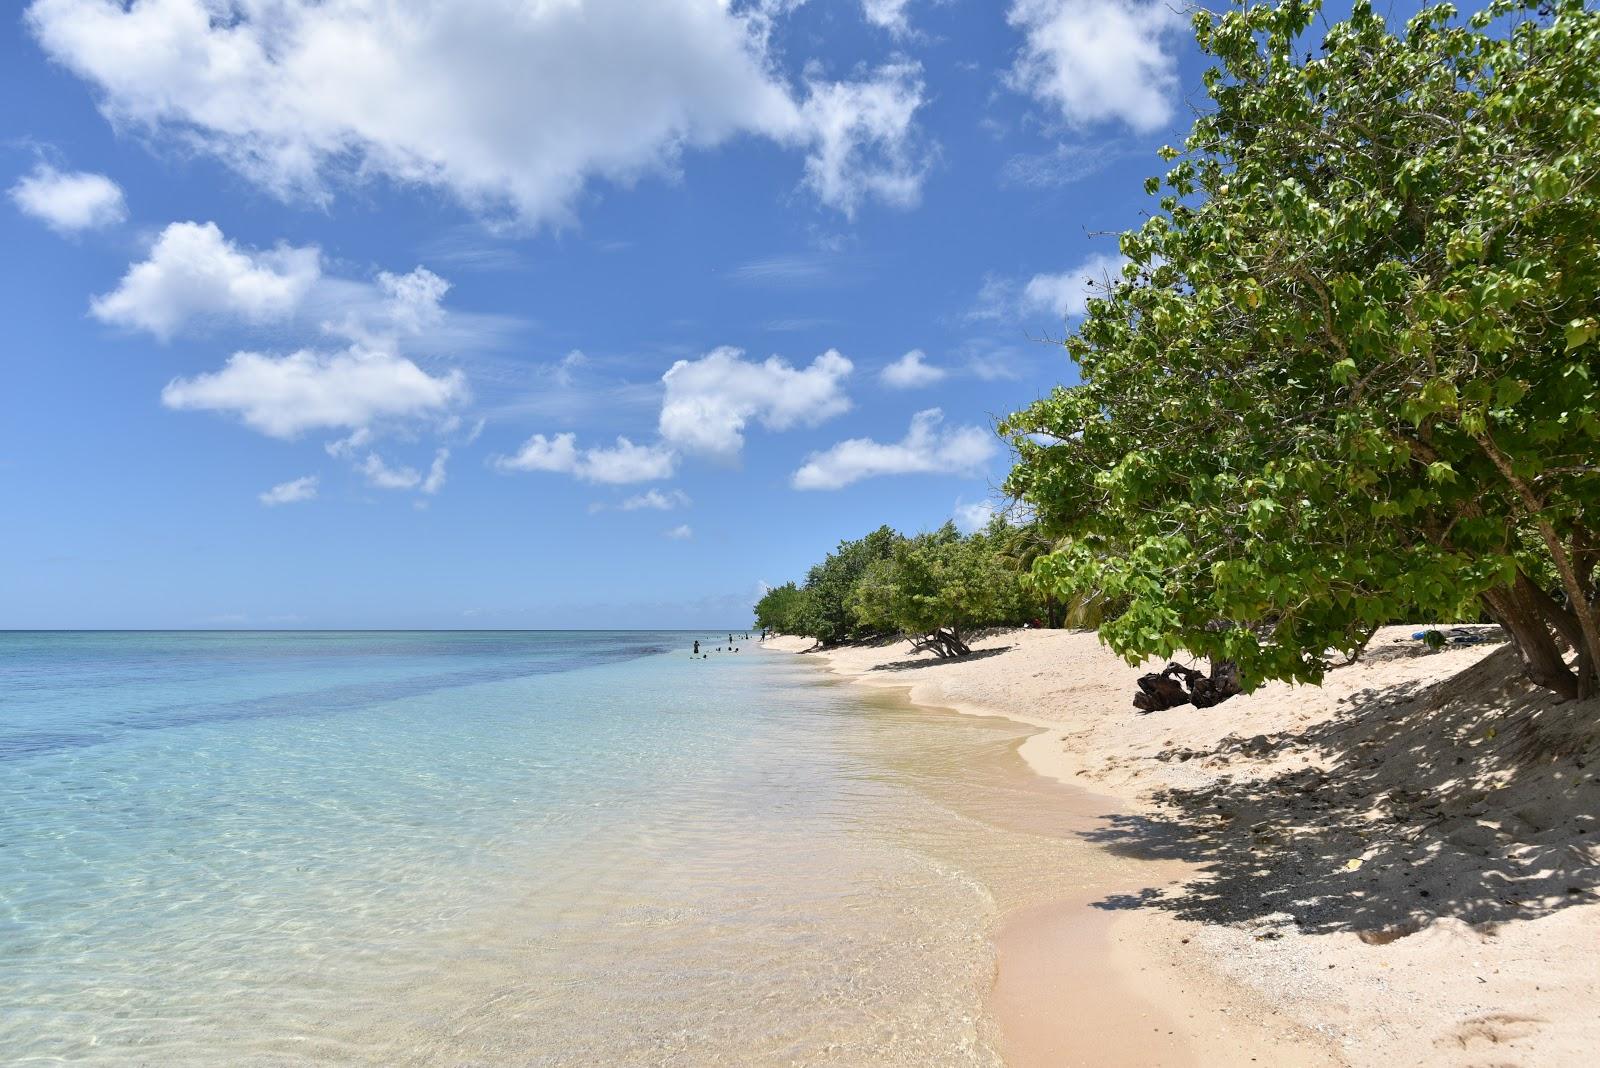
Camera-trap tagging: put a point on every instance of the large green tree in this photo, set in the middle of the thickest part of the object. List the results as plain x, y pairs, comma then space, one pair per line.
782, 609
1348, 375
826, 614
936, 588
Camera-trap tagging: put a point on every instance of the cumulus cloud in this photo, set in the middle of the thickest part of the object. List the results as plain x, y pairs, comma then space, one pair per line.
381, 475
69, 202
510, 108
926, 449
193, 271
1063, 295
1098, 61
299, 489
378, 314
661, 502
1067, 294
284, 396
621, 463
911, 371
682, 532
862, 148
434, 482
710, 401
972, 517
539, 453
627, 462
887, 14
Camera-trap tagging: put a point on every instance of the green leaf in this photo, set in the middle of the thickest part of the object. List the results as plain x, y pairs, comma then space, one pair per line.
1580, 332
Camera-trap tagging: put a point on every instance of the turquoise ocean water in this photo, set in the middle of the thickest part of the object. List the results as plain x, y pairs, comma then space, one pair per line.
468, 848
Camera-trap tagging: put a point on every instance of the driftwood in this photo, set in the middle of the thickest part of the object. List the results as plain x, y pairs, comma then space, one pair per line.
1177, 685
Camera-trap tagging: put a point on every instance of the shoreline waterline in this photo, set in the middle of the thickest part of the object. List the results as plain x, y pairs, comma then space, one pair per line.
1075, 982
420, 848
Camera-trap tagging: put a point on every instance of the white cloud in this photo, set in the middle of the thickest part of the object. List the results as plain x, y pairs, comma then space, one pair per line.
393, 310
621, 463
789, 271
1067, 294
710, 401
926, 449
539, 453
887, 14
1062, 165
975, 516
510, 107
299, 489
911, 371
862, 143
379, 474
194, 272
627, 462
1063, 295
679, 533
69, 202
377, 314
346, 446
662, 502
284, 396
563, 372
997, 299
1099, 60
436, 473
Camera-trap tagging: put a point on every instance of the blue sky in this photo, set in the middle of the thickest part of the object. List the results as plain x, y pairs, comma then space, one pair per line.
333, 314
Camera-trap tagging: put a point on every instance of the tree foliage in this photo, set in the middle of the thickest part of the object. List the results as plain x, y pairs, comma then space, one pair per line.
935, 589
782, 609
827, 615
1349, 373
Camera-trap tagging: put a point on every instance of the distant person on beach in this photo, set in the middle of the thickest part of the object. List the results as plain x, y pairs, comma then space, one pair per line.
696, 648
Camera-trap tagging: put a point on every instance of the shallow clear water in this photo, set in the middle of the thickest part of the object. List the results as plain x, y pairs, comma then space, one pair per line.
546, 848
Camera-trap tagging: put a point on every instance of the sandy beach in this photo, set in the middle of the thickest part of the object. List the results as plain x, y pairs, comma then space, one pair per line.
1398, 866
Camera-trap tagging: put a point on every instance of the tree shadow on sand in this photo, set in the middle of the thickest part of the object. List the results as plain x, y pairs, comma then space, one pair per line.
917, 665
1474, 798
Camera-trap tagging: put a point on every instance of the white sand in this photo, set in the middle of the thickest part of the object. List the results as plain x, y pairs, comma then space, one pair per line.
1402, 861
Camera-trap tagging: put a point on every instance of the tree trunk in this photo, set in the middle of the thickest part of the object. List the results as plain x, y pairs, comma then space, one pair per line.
953, 644
1588, 646
1519, 612
944, 643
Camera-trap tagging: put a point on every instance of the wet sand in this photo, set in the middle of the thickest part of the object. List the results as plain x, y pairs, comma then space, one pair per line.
1395, 867
1077, 983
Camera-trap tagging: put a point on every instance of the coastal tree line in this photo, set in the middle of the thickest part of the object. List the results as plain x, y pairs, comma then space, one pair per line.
1348, 375
934, 588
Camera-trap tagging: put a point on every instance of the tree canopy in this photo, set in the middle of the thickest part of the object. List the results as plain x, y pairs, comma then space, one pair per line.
935, 589
1348, 375
782, 609
826, 613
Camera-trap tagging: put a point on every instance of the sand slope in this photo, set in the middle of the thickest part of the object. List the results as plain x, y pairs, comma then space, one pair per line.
1405, 859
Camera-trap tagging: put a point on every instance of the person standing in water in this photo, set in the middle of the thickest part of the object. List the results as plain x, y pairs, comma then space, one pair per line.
696, 648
